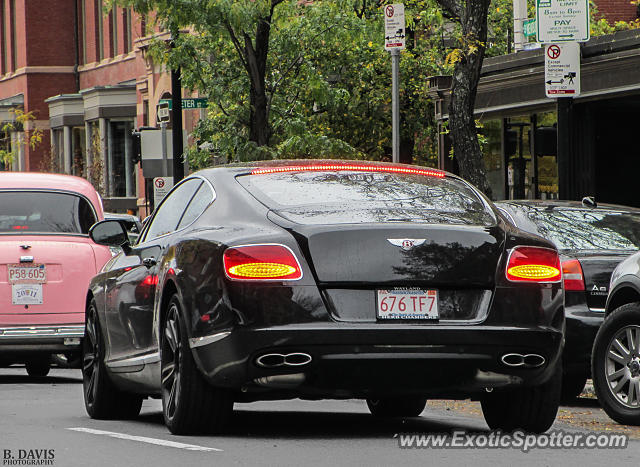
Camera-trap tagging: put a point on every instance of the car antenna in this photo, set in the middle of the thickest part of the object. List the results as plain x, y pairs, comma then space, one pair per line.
589, 202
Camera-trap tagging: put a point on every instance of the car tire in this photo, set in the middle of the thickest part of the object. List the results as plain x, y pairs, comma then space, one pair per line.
608, 359
572, 386
532, 409
102, 399
38, 367
397, 407
189, 404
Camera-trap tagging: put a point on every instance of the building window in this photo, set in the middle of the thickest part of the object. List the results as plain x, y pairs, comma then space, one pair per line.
128, 36
14, 42
100, 31
5, 147
3, 25
82, 24
494, 162
113, 19
121, 170
78, 150
145, 112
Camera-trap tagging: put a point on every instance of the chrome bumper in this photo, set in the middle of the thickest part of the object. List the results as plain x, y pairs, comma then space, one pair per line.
45, 332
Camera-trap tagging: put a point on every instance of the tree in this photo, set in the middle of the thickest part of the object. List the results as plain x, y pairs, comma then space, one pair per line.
290, 78
246, 24
467, 58
9, 150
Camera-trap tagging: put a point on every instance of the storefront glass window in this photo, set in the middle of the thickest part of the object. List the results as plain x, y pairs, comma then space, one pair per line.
490, 134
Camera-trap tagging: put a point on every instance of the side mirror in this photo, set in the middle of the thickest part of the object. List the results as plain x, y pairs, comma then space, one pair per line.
110, 233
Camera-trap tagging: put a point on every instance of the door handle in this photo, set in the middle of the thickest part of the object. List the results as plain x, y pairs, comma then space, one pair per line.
149, 262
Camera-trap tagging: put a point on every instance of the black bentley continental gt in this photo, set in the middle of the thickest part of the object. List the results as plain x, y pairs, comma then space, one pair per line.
324, 279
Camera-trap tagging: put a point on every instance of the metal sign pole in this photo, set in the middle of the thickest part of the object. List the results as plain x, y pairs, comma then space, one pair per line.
395, 105
165, 160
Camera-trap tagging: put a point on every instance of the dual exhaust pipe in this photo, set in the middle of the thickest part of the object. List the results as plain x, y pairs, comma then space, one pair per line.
531, 360
274, 360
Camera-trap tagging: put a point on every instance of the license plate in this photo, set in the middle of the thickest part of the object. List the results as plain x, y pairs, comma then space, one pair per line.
27, 274
26, 294
407, 304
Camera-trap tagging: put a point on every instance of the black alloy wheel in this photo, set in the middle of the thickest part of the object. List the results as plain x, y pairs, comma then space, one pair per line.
615, 364
410, 406
189, 404
102, 399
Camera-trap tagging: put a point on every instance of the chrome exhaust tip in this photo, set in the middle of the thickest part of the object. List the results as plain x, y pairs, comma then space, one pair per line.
297, 359
532, 360
273, 360
512, 359
270, 360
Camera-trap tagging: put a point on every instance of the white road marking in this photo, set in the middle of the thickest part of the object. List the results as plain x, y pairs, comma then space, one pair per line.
143, 439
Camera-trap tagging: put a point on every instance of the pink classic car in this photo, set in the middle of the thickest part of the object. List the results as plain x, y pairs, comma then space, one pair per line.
46, 263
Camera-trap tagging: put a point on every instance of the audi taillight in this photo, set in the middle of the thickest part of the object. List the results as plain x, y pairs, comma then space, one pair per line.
533, 264
261, 262
572, 275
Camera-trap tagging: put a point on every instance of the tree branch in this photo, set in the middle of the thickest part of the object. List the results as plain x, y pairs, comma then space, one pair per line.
452, 7
237, 45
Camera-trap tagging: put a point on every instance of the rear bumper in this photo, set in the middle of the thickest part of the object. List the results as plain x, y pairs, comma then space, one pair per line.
44, 339
582, 327
376, 360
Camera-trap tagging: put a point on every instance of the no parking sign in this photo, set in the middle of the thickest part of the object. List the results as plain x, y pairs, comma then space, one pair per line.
161, 186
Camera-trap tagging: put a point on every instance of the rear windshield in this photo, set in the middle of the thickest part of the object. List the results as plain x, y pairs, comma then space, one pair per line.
582, 229
362, 197
25, 212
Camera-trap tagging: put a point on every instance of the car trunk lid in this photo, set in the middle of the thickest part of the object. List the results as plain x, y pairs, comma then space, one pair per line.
597, 269
68, 264
427, 255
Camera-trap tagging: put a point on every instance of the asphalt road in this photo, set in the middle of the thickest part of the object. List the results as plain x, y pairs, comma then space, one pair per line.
45, 417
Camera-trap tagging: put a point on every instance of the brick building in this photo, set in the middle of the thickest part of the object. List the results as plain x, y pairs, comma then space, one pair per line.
88, 82
617, 10
85, 77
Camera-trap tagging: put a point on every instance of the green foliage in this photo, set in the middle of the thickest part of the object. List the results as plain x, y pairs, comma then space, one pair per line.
600, 26
327, 77
8, 151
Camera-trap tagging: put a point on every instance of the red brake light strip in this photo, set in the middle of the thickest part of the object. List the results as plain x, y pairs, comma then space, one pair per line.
348, 167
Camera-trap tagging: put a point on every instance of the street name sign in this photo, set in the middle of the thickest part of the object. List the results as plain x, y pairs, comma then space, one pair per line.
188, 103
529, 27
562, 69
562, 20
394, 31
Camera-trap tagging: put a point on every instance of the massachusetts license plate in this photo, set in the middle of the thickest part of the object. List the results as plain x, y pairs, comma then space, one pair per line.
407, 304
27, 274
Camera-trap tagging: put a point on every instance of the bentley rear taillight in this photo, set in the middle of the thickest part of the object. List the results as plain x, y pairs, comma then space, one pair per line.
261, 262
533, 264
572, 275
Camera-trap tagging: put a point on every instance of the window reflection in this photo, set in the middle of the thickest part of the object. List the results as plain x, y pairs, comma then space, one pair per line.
581, 229
356, 197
